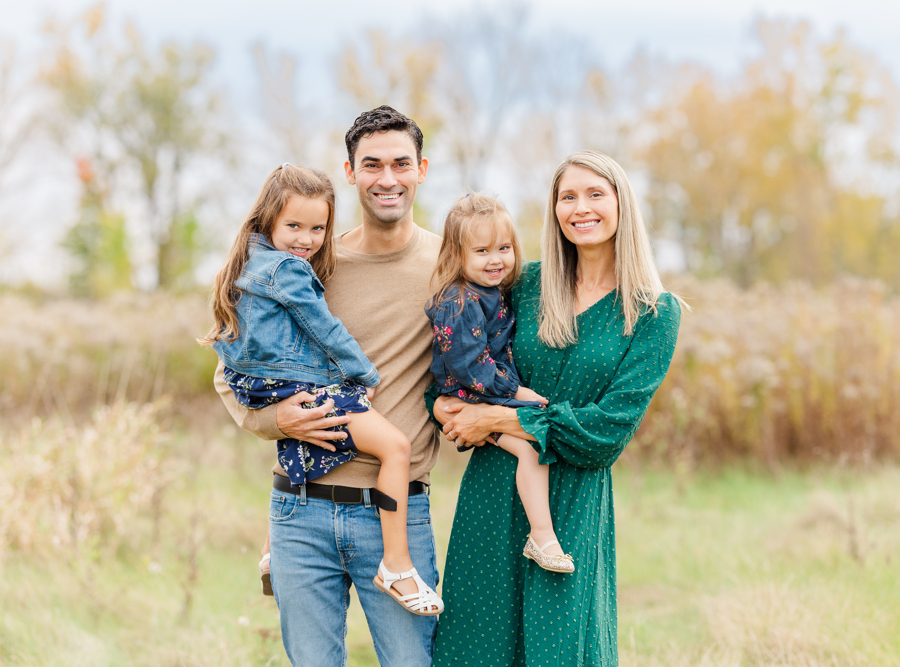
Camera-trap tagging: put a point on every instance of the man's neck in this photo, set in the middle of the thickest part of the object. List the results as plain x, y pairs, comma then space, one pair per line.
372, 238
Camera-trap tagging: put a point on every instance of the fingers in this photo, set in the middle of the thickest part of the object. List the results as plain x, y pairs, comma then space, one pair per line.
454, 407
324, 444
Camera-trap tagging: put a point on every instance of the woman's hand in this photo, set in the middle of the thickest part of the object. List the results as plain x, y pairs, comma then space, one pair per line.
472, 423
526, 394
309, 424
446, 407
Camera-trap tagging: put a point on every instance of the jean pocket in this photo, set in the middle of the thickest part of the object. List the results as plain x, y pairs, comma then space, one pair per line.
282, 506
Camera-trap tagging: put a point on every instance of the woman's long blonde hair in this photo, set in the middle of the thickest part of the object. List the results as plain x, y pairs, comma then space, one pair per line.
637, 278
465, 215
283, 182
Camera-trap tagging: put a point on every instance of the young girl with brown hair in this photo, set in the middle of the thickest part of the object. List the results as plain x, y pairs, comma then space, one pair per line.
276, 337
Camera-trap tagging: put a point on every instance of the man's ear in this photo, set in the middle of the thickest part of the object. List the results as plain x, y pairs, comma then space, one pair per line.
351, 177
423, 169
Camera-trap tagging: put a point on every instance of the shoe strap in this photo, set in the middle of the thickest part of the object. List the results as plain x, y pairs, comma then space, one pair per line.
390, 577
548, 544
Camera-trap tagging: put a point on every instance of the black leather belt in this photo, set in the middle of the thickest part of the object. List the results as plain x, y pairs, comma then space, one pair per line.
345, 494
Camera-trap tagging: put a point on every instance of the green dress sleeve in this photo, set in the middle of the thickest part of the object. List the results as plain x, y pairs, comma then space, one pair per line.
594, 435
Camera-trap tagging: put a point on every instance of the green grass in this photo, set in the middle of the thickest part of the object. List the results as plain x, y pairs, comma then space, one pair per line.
731, 567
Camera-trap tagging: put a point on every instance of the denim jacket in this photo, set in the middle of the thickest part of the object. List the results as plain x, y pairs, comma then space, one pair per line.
286, 329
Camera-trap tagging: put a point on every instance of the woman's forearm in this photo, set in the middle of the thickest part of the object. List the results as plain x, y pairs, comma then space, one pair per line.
508, 422
475, 422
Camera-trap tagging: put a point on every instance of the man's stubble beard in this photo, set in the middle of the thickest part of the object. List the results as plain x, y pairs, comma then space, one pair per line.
374, 218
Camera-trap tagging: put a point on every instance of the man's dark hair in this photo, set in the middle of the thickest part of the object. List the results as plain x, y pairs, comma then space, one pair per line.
382, 119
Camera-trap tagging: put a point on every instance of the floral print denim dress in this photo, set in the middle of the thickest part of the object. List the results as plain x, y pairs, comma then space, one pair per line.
471, 347
302, 461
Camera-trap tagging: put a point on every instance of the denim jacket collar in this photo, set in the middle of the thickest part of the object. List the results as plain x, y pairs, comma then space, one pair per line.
261, 241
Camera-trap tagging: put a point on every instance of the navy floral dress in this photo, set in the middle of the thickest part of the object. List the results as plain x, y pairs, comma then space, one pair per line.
471, 348
301, 461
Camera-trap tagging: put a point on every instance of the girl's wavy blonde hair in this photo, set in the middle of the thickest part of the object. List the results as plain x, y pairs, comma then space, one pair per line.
467, 213
637, 278
283, 182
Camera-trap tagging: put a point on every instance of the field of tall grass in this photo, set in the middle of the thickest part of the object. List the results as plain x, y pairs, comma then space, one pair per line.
765, 375
723, 568
757, 512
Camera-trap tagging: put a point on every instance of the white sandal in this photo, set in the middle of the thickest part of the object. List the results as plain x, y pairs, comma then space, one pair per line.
424, 603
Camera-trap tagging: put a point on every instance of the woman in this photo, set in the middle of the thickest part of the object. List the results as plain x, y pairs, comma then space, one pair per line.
596, 333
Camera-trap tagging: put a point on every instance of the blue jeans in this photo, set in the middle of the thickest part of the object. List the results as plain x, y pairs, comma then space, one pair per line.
318, 549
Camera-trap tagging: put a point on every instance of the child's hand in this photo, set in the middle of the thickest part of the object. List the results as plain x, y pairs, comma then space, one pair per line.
525, 394
370, 393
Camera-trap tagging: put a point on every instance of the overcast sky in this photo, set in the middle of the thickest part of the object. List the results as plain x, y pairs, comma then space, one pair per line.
714, 32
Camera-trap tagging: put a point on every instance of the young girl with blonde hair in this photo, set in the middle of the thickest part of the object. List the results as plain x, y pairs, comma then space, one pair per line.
276, 337
479, 261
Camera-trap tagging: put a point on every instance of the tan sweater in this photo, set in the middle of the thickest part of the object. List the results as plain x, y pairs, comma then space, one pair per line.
381, 301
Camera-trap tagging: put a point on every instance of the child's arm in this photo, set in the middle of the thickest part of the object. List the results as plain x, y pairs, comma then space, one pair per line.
526, 394
294, 287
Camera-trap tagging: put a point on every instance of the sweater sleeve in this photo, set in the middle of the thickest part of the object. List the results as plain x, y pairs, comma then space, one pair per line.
294, 289
260, 423
465, 351
594, 435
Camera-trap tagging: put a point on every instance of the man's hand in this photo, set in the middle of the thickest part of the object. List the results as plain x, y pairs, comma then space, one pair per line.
309, 424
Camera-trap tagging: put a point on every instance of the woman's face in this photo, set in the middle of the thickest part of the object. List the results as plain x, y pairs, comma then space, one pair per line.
587, 207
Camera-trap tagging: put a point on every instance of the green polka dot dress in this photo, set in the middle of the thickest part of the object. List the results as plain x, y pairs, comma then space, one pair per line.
502, 609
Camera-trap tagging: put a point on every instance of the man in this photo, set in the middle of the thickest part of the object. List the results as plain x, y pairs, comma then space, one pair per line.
327, 535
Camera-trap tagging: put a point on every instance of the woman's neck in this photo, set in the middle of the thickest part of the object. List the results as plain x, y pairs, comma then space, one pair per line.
596, 269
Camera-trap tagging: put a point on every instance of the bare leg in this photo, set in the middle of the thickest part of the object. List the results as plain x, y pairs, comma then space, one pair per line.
375, 435
265, 548
264, 567
533, 483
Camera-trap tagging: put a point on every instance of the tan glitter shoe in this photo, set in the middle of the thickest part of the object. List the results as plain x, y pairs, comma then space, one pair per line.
562, 564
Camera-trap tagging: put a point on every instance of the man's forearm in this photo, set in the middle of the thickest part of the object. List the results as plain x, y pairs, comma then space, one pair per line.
260, 423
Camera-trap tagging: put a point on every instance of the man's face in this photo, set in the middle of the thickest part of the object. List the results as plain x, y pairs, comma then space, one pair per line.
386, 176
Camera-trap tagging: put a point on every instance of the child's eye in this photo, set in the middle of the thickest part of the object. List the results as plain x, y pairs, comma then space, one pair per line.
318, 228
504, 248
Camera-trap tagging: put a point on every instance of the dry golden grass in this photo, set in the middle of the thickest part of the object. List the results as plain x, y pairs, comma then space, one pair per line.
774, 375
764, 374
68, 356
87, 488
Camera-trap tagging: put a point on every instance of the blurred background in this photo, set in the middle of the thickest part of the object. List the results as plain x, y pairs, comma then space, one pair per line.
758, 511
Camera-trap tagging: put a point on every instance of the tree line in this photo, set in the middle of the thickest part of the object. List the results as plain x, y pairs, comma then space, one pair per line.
788, 169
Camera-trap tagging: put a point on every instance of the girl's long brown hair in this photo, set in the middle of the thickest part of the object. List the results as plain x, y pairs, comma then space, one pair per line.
283, 182
466, 213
